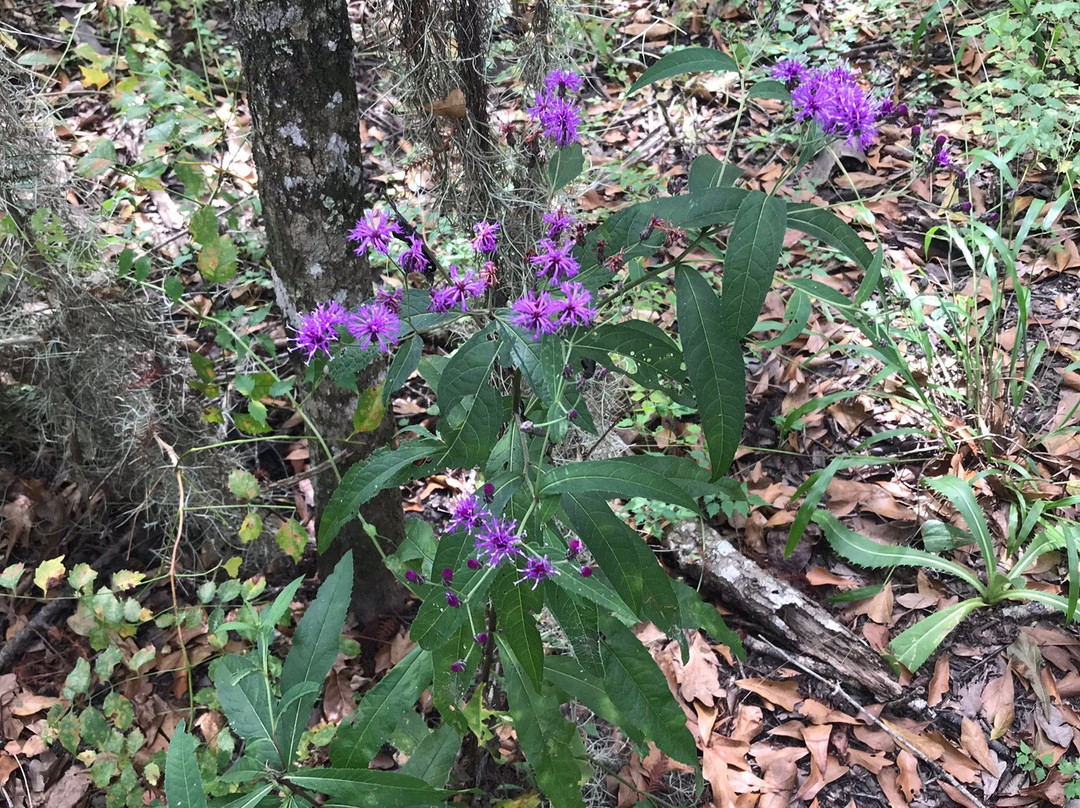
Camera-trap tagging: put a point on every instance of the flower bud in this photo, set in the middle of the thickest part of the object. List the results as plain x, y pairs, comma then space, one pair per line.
447, 575
452, 600
414, 577
473, 564
458, 666
586, 571
481, 638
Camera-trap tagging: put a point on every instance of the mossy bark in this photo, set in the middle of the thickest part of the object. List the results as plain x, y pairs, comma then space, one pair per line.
298, 65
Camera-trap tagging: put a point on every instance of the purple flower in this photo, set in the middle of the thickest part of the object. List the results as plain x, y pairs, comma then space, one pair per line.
481, 638
586, 571
472, 564
537, 569
789, 71
574, 547
574, 310
375, 323
558, 223
556, 259
943, 160
414, 577
498, 540
447, 575
458, 667
558, 117
467, 513
486, 240
390, 299
318, 330
414, 259
562, 82
835, 100
535, 311
489, 492
375, 231
463, 286
452, 600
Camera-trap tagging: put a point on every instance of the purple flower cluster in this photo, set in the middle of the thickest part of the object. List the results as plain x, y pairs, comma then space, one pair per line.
539, 311
537, 569
318, 330
374, 232
463, 286
833, 98
556, 109
486, 240
413, 258
375, 323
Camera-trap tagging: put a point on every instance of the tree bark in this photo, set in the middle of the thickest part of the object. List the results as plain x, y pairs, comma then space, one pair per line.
298, 64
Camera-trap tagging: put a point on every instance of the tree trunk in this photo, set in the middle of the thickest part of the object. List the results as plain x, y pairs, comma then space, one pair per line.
298, 64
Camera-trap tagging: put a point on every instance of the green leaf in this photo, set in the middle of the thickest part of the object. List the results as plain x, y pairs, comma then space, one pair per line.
348, 362
694, 613
580, 621
189, 172
575, 683
708, 172
78, 681
251, 799
695, 59
406, 360
550, 743
656, 356
757, 237
315, 647
244, 693
867, 553
99, 160
566, 165
9, 578
243, 485
714, 363
358, 739
470, 405
292, 538
251, 527
963, 499
49, 572
769, 88
183, 782
82, 576
173, 288
369, 788
366, 478
515, 605
641, 693
203, 226
437, 620
217, 261
830, 228
612, 478
433, 760
915, 645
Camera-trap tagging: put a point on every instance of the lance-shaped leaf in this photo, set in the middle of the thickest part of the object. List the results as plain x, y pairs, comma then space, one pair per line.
612, 478
515, 604
757, 236
714, 363
369, 788
433, 760
358, 740
366, 478
470, 406
580, 621
695, 59
963, 499
437, 620
915, 645
244, 693
183, 782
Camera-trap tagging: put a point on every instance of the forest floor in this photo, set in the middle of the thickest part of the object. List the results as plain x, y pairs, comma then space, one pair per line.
778, 728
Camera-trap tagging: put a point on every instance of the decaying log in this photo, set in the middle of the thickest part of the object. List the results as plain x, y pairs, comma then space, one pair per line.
780, 612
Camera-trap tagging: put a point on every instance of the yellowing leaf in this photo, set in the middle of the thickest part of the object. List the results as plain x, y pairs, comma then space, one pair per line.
232, 566
9, 578
217, 261
48, 572
251, 527
94, 77
292, 538
81, 576
126, 579
369, 410
243, 484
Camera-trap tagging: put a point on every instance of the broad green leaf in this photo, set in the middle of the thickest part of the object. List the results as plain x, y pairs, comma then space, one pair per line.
830, 228
695, 614
406, 360
640, 692
868, 553
77, 681
550, 743
515, 605
433, 760
575, 683
580, 621
612, 478
708, 172
694, 59
315, 647
369, 788
82, 576
769, 88
243, 485
251, 527
657, 361
9, 578
183, 782
384, 468
565, 165
349, 361
203, 226
625, 559
470, 406
217, 261
450, 689
244, 693
963, 499
437, 620
757, 237
99, 159
358, 739
251, 799
714, 363
1071, 533
914, 646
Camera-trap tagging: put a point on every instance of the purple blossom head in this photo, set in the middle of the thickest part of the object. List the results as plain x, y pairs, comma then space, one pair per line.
556, 259
834, 99
481, 638
414, 577
452, 600
462, 288
790, 71
447, 575
586, 571
558, 118
498, 540
374, 231
558, 222
574, 548
472, 564
536, 312
375, 323
537, 569
318, 330
457, 667
562, 82
943, 160
414, 259
486, 240
391, 298
574, 309
468, 513
489, 492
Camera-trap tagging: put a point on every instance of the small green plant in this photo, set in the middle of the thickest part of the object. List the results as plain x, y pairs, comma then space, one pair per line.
1034, 763
1033, 536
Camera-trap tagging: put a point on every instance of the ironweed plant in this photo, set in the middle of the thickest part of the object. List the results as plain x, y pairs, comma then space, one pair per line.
537, 534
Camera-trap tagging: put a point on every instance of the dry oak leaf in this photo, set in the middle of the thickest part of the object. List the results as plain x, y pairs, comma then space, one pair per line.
872, 763
784, 694
819, 576
999, 703
819, 778
974, 743
887, 780
939, 682
699, 678
909, 781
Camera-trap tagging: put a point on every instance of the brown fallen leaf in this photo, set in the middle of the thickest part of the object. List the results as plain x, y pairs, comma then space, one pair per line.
819, 576
887, 780
784, 694
974, 743
908, 779
872, 763
939, 682
999, 703
699, 678
816, 738
715, 769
